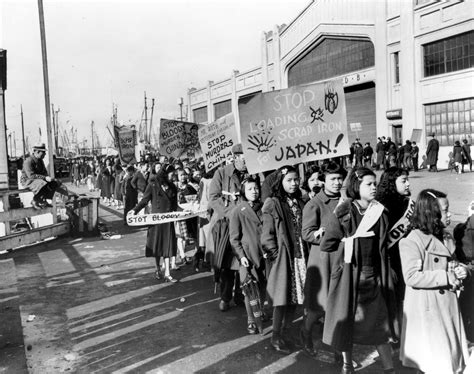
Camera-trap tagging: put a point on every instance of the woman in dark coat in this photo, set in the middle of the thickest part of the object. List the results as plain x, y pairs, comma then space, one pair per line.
458, 154
361, 305
107, 181
161, 238
316, 214
284, 247
245, 229
118, 170
467, 155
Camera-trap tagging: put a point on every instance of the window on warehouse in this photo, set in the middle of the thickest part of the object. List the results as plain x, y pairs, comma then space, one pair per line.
450, 120
222, 108
200, 115
331, 58
450, 54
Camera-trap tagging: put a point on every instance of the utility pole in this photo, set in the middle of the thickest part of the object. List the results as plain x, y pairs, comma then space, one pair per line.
49, 132
56, 130
14, 144
180, 103
54, 127
151, 118
146, 122
92, 131
23, 132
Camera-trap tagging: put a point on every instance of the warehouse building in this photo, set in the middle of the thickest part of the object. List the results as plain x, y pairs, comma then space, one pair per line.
407, 68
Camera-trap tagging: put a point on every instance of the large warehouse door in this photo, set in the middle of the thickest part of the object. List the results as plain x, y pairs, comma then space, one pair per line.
360, 108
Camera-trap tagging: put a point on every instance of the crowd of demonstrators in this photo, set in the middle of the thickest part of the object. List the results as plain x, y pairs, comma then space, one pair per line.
346, 255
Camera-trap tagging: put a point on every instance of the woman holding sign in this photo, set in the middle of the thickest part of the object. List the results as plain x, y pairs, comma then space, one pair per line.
284, 247
161, 238
360, 306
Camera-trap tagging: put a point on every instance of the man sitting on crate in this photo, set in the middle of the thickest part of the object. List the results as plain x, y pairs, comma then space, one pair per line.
34, 176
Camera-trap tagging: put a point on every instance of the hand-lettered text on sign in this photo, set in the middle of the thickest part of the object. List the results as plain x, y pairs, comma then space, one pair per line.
217, 139
303, 123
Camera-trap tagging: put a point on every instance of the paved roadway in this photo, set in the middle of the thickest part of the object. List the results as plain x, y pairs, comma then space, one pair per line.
98, 309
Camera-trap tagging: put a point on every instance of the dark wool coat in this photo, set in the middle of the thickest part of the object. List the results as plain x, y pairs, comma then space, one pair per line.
458, 153
107, 182
225, 179
467, 153
380, 150
344, 278
33, 174
316, 214
432, 152
245, 230
278, 241
161, 239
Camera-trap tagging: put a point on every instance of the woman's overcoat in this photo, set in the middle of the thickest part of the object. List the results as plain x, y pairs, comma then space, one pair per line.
316, 214
433, 338
344, 278
278, 241
107, 182
161, 239
245, 229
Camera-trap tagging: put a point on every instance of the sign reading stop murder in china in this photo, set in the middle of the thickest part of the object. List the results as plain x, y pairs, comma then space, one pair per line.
298, 124
178, 138
125, 140
217, 140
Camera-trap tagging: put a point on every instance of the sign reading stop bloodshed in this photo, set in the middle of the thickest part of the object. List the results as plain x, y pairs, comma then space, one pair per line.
217, 139
298, 124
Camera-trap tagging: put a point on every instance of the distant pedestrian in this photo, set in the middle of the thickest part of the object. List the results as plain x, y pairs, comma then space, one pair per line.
407, 158
380, 151
467, 153
368, 152
414, 155
432, 151
458, 155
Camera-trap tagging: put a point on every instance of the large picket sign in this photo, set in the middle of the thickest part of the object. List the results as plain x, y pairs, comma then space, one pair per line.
217, 140
298, 124
125, 139
178, 138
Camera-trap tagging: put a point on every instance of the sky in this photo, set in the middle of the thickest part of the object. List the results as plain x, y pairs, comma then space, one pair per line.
104, 52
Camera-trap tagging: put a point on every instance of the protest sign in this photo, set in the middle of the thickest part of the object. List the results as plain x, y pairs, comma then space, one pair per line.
217, 140
298, 124
178, 138
125, 139
158, 218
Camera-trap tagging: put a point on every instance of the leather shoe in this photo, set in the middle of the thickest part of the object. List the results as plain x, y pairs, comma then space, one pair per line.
279, 345
347, 369
170, 279
224, 306
36, 205
252, 328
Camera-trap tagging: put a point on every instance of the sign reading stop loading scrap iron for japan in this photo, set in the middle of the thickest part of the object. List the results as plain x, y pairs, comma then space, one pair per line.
178, 138
125, 138
298, 124
217, 140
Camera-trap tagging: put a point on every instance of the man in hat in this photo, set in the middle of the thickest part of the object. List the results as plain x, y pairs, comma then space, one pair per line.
432, 153
34, 176
223, 198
